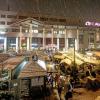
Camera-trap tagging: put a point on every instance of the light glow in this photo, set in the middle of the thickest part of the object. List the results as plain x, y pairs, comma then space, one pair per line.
26, 31
1, 37
2, 33
88, 23
42, 64
35, 31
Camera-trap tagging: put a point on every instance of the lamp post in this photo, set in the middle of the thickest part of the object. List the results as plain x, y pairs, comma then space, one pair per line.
52, 37
74, 50
31, 32
43, 38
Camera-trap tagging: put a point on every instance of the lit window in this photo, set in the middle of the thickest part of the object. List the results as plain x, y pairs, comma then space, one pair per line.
22, 17
2, 22
15, 30
35, 31
9, 23
55, 32
11, 16
61, 32
3, 16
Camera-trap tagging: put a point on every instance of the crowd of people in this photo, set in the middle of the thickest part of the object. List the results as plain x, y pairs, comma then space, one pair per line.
69, 77
61, 86
73, 76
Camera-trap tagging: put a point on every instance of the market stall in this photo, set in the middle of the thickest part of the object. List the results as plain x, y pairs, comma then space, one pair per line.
31, 79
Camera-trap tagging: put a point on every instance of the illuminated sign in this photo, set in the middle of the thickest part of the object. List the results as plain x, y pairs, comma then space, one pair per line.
88, 23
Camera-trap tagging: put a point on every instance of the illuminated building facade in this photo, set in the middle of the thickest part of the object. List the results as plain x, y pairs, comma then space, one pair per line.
58, 30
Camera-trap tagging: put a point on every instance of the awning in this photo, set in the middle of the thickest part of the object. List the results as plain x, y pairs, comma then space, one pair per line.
59, 56
97, 53
67, 61
78, 62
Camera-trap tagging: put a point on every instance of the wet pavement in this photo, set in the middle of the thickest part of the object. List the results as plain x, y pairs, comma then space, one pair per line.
78, 94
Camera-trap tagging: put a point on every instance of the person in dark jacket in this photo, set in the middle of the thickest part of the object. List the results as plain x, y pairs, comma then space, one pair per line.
69, 89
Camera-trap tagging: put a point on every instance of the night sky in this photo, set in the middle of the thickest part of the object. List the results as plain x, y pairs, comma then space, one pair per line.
84, 9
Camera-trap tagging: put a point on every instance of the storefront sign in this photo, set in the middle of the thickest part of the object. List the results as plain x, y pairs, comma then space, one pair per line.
89, 23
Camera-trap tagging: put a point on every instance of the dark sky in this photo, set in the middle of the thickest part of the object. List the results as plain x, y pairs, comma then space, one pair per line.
88, 9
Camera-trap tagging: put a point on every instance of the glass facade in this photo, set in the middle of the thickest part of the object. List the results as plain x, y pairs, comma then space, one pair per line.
11, 43
1, 44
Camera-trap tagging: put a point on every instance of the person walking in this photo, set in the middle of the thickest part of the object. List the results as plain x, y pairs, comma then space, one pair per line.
60, 86
68, 89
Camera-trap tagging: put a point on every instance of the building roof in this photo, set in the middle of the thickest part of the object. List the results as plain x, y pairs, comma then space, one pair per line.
32, 69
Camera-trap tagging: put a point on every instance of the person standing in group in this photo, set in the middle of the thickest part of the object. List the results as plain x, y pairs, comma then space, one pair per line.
60, 86
68, 89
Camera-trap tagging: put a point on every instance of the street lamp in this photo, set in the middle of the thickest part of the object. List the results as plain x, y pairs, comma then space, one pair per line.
74, 50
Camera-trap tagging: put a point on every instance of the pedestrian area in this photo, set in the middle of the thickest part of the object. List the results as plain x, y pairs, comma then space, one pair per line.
78, 94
